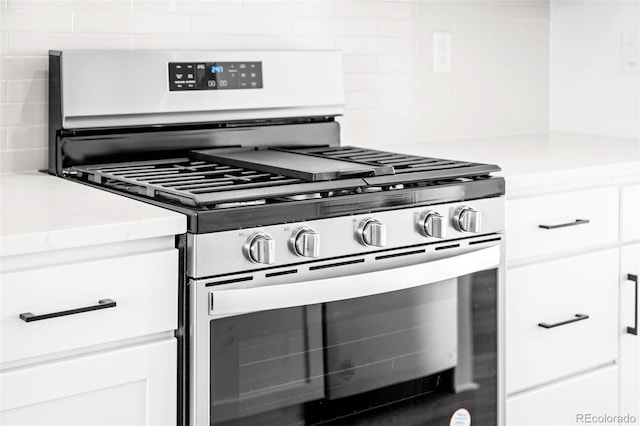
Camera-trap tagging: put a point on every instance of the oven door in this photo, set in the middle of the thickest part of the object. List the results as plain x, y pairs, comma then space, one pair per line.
400, 338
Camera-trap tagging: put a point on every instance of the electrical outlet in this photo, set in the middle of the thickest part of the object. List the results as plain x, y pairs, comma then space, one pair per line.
630, 53
442, 52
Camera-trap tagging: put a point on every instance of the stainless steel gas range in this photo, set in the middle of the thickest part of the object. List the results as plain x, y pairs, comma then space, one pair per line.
323, 284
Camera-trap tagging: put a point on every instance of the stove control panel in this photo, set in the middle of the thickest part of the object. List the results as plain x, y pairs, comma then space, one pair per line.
445, 225
184, 76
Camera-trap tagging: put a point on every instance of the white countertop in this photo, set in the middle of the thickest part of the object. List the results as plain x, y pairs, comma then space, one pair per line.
41, 212
532, 162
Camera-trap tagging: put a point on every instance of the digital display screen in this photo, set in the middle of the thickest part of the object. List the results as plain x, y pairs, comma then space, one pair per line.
214, 75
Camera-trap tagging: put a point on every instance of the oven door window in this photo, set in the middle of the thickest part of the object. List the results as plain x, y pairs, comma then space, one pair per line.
410, 357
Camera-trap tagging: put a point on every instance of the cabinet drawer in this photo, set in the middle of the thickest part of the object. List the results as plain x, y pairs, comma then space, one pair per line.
526, 237
562, 403
631, 212
144, 288
551, 293
132, 386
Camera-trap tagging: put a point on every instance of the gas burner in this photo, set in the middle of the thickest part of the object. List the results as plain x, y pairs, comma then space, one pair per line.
240, 204
371, 189
300, 197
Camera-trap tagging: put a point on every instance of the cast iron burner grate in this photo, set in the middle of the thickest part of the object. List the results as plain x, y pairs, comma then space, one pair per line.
200, 181
401, 163
406, 168
182, 178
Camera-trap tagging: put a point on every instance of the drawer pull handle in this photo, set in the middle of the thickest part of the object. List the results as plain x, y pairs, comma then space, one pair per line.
578, 317
564, 225
102, 304
634, 330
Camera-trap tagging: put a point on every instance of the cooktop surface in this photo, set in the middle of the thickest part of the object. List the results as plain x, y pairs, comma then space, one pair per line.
222, 178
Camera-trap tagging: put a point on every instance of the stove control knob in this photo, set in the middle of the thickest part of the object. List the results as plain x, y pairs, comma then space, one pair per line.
305, 242
467, 219
432, 224
261, 248
372, 232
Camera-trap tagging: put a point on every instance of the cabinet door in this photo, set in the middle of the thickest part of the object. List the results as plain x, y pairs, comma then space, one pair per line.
561, 318
131, 386
629, 343
568, 402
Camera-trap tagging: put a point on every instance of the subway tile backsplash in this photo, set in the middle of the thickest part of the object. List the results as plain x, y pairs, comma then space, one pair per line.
499, 83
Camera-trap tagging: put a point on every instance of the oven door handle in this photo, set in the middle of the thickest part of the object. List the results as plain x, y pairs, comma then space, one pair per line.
245, 300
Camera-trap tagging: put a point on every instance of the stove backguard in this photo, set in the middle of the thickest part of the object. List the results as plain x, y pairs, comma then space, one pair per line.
109, 106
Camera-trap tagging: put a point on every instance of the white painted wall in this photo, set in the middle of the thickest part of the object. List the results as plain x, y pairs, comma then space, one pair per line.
589, 91
499, 82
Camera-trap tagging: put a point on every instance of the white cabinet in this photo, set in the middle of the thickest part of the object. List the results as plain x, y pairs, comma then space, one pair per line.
561, 318
629, 343
90, 342
567, 402
556, 223
143, 287
562, 301
127, 386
